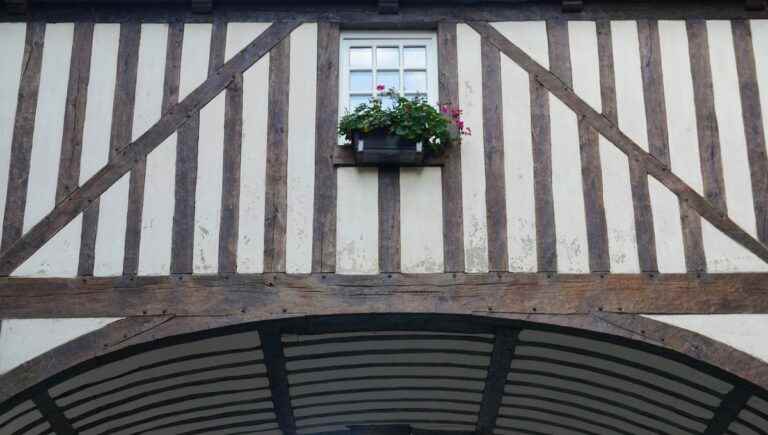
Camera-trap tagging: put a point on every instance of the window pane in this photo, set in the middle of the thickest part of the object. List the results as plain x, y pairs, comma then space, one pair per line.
387, 58
390, 79
356, 100
415, 57
361, 82
360, 58
416, 81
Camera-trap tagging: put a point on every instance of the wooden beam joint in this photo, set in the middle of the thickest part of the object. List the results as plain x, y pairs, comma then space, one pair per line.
51, 412
729, 409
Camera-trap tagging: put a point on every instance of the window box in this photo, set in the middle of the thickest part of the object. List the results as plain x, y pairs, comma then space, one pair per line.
381, 148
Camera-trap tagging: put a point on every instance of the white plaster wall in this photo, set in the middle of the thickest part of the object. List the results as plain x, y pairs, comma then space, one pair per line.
357, 221
421, 220
745, 332
24, 339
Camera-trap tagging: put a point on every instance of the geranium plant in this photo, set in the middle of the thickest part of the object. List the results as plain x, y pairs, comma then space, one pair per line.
411, 119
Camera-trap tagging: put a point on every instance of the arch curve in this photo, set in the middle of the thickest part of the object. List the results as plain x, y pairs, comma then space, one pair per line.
592, 374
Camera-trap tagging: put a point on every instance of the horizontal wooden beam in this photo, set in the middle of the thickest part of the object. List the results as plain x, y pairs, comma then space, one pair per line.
267, 295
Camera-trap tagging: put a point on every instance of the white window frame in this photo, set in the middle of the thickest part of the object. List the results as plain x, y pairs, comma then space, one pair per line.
352, 39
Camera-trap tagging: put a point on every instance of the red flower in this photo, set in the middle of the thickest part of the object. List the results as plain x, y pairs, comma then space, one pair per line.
379, 88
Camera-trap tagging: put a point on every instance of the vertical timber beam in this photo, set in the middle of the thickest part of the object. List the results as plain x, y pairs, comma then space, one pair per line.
729, 410
389, 219
453, 220
324, 243
51, 412
274, 360
498, 369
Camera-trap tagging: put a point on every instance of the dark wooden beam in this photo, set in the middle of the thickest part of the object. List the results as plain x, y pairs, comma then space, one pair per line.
754, 5
389, 6
16, 7
611, 132
729, 410
201, 6
129, 155
573, 5
498, 369
51, 412
274, 359
271, 294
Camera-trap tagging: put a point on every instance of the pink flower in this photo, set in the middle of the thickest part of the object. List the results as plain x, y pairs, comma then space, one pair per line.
379, 88
460, 124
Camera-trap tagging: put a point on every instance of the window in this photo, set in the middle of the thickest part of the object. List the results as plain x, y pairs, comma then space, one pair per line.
405, 61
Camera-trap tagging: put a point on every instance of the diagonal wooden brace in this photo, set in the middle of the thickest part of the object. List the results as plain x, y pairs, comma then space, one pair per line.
127, 156
611, 131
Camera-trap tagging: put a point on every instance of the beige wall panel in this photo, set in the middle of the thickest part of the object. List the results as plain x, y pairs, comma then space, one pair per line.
58, 257
667, 230
157, 213
726, 255
12, 53
357, 221
195, 52
301, 149
629, 81
760, 46
49, 123
619, 211
518, 146
24, 339
250, 245
101, 94
746, 332
210, 164
421, 220
110, 235
472, 154
681, 110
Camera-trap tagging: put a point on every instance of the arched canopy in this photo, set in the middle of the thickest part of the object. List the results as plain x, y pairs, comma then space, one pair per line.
393, 374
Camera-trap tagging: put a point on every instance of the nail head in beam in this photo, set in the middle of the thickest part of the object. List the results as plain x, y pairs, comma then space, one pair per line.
389, 6
16, 6
573, 5
754, 5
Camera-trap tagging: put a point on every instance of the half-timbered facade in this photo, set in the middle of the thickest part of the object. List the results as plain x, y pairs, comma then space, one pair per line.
180, 215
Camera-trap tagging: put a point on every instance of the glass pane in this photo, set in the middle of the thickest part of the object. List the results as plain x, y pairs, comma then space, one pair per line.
416, 81
361, 81
415, 57
390, 79
356, 100
387, 58
360, 58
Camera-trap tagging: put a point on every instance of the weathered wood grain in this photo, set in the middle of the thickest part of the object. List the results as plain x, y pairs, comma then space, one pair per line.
230, 200
278, 293
127, 157
324, 241
122, 121
753, 123
706, 118
610, 131
448, 87
542, 173
641, 200
389, 219
87, 256
21, 143
495, 193
277, 158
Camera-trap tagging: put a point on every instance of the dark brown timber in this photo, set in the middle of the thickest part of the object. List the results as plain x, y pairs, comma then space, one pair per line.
277, 158
274, 360
268, 295
72, 140
21, 145
453, 220
128, 58
495, 193
389, 219
127, 157
542, 176
498, 370
610, 131
753, 123
324, 242
706, 118
230, 200
641, 201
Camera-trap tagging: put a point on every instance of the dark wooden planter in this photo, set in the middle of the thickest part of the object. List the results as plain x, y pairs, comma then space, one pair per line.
379, 148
